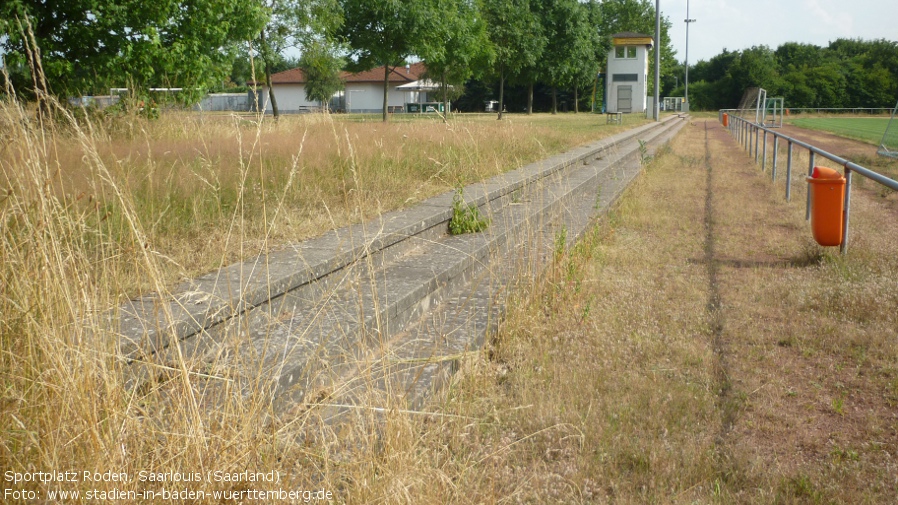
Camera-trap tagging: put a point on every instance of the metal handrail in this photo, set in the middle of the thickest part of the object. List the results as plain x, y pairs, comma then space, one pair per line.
868, 110
747, 134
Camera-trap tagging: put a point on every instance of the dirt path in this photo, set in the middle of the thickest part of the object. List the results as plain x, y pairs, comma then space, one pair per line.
810, 341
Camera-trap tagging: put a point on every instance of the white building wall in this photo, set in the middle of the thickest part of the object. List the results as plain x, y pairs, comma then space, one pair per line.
360, 97
290, 98
638, 66
369, 97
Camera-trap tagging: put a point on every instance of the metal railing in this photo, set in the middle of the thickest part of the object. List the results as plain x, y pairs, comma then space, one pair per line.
748, 135
840, 110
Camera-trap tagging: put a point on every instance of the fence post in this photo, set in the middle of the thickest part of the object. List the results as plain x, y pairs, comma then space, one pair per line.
764, 152
751, 138
789, 174
845, 213
776, 144
757, 142
807, 212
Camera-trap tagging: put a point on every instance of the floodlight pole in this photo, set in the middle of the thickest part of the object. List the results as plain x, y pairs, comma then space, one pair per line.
688, 22
657, 106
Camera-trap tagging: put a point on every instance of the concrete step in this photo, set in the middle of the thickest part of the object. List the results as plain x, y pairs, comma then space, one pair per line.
420, 359
303, 318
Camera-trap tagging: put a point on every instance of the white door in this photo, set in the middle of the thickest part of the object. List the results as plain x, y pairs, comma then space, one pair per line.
625, 98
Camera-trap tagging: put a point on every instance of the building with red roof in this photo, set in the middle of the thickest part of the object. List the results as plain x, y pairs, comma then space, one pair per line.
363, 91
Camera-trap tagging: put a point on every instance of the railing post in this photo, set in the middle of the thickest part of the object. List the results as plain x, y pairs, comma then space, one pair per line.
807, 212
764, 152
750, 135
789, 174
776, 144
757, 138
846, 212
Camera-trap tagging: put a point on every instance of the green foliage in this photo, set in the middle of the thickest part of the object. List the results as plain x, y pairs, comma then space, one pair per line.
569, 49
322, 68
88, 46
298, 23
386, 32
457, 47
466, 218
847, 73
517, 37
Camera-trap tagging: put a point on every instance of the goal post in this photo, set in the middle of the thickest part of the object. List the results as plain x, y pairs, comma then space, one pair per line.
889, 144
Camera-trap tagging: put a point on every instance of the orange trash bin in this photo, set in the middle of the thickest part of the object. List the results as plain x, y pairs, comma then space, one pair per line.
827, 188
726, 120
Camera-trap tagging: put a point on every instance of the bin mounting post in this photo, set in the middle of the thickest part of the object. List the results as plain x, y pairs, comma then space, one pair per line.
807, 212
843, 247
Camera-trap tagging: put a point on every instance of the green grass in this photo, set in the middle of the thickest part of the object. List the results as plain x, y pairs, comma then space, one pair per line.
867, 129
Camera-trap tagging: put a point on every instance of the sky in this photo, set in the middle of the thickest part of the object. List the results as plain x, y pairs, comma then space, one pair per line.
740, 24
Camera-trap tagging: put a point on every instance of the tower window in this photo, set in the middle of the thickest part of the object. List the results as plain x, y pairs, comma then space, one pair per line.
625, 52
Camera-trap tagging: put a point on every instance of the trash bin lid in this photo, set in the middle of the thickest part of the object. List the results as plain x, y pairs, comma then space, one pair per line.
825, 173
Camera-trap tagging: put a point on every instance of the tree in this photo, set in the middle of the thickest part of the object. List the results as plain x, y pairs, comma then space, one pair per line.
293, 23
322, 68
457, 47
385, 33
87, 46
587, 69
569, 44
517, 38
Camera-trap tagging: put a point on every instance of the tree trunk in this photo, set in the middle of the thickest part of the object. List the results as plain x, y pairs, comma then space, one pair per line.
530, 99
274, 101
501, 92
576, 100
386, 90
554, 101
445, 98
266, 51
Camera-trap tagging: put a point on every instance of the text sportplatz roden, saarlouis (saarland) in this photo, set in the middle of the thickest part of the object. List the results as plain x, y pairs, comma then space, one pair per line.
89, 486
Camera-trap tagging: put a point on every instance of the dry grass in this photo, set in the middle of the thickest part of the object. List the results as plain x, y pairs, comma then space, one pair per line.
689, 350
209, 190
93, 211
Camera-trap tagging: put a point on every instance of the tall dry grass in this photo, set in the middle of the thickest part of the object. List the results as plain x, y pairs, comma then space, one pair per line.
190, 177
94, 209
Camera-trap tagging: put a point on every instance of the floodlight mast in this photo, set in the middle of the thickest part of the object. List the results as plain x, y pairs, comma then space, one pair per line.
688, 21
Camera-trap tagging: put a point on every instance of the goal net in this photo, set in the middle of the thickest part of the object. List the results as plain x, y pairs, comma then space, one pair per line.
889, 145
752, 104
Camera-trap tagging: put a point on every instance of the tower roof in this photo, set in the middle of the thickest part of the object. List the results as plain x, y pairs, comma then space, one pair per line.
632, 39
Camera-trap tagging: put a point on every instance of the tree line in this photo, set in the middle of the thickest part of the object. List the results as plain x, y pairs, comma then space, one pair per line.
846, 73
89, 46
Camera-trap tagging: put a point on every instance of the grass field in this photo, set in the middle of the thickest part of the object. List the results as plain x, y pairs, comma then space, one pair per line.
96, 209
867, 129
203, 191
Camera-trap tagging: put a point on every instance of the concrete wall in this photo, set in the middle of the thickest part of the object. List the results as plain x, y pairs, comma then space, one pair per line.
638, 66
225, 101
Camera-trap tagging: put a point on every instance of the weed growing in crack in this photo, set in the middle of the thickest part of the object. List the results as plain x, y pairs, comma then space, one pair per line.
466, 218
